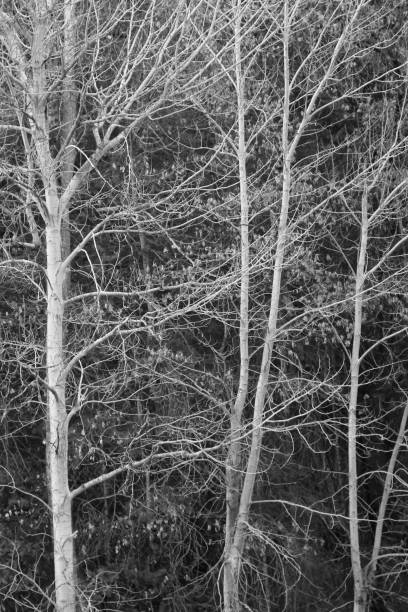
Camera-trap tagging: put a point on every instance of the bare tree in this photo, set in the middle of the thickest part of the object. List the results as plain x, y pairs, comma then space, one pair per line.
312, 75
63, 84
100, 83
392, 145
234, 459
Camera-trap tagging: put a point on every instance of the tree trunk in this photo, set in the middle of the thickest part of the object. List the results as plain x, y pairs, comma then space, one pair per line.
233, 464
57, 424
257, 422
358, 575
238, 543
371, 569
69, 111
57, 442
233, 485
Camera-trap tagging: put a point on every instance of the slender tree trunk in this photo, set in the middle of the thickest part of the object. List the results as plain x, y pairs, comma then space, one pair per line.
257, 422
57, 446
69, 111
371, 568
233, 465
237, 545
360, 593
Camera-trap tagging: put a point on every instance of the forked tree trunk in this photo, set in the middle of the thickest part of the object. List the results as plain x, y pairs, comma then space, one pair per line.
236, 547
251, 471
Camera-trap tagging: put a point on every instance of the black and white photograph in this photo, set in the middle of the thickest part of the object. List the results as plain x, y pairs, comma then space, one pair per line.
203, 305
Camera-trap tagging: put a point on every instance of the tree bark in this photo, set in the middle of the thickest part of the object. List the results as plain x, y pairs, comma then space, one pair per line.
57, 423
371, 569
233, 464
360, 593
69, 112
57, 443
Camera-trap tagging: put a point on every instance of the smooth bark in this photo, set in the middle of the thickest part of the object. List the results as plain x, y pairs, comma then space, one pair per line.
57, 423
371, 569
360, 593
233, 464
57, 443
69, 115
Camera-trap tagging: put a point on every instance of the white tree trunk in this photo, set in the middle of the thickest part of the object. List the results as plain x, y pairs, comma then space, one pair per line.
371, 569
257, 421
57, 439
69, 111
57, 425
360, 593
233, 465
237, 545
